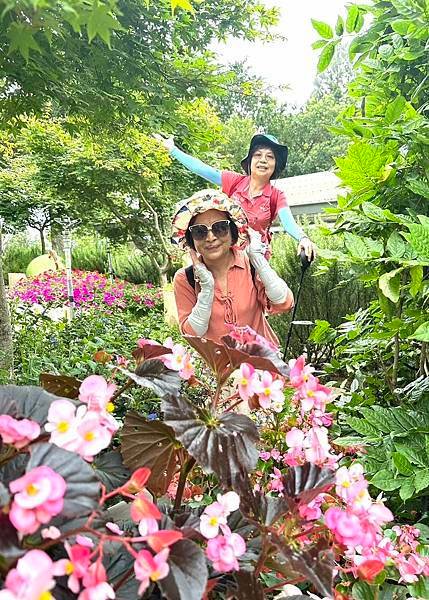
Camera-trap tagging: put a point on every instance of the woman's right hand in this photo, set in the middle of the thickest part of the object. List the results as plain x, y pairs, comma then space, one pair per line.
168, 143
201, 272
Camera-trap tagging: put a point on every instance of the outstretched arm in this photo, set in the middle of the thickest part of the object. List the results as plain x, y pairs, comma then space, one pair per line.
192, 164
293, 229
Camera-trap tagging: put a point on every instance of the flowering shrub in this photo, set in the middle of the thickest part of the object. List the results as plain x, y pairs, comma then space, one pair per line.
91, 290
237, 510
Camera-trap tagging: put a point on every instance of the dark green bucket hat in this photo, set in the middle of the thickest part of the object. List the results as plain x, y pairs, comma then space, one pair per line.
280, 152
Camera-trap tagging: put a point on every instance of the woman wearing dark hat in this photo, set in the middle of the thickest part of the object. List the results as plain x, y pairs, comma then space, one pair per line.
261, 201
226, 286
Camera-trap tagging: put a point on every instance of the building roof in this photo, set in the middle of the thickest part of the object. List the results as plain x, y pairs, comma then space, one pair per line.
310, 193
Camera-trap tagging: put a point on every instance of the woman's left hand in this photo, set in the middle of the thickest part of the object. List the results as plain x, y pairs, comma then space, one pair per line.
309, 248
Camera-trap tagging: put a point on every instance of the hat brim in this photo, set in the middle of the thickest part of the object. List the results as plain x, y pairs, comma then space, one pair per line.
201, 202
281, 152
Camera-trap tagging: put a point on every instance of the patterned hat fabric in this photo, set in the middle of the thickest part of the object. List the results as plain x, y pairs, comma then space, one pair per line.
200, 202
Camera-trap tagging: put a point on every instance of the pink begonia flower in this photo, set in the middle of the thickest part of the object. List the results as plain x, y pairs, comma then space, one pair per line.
32, 578
114, 528
275, 454
349, 483
150, 568
411, 567
62, 422
407, 535
18, 432
318, 418
345, 526
179, 360
316, 446
248, 380
224, 550
216, 514
313, 395
246, 335
76, 565
295, 438
269, 390
96, 392
311, 511
148, 526
276, 483
39, 496
265, 455
94, 436
84, 540
143, 508
295, 455
299, 371
50, 533
95, 583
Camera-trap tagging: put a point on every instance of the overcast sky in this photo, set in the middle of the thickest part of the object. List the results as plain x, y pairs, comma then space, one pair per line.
292, 62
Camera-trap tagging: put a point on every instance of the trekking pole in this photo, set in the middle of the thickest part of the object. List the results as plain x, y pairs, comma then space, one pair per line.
305, 263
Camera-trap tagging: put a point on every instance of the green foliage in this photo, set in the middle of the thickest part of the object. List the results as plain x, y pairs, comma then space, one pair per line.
19, 252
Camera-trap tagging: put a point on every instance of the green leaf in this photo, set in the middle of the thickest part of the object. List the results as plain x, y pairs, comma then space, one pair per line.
362, 427
21, 39
352, 17
413, 454
183, 4
348, 441
187, 577
420, 589
102, 23
323, 29
374, 212
363, 166
407, 489
384, 480
390, 284
356, 246
325, 57
363, 591
396, 245
318, 44
402, 463
422, 480
378, 418
339, 27
401, 26
419, 240
395, 109
421, 333
416, 274
419, 186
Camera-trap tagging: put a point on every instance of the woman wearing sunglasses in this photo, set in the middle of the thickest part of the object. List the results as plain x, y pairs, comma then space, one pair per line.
262, 202
229, 286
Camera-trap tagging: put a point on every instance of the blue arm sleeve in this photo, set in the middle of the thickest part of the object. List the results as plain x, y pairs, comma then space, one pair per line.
289, 224
197, 166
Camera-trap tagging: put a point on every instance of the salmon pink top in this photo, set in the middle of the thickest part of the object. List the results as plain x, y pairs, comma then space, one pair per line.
244, 304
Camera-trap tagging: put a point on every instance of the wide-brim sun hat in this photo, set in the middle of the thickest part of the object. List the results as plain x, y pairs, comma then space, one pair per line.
201, 202
264, 139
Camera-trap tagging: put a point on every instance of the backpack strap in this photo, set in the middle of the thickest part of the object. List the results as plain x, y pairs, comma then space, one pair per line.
189, 272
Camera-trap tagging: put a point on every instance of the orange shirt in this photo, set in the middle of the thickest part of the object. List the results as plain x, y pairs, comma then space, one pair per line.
245, 303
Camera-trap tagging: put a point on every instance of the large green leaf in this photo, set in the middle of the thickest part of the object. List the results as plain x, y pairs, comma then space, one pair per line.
83, 488
421, 479
101, 22
188, 573
325, 57
352, 17
384, 480
223, 444
356, 246
421, 333
419, 186
396, 245
414, 455
150, 444
407, 489
363, 166
379, 417
416, 274
419, 240
390, 284
402, 463
153, 374
362, 427
395, 109
364, 591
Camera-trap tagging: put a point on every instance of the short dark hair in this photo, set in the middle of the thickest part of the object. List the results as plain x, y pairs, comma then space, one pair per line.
232, 226
276, 172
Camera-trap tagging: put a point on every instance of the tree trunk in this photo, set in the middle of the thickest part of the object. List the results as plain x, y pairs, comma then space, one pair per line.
42, 241
6, 343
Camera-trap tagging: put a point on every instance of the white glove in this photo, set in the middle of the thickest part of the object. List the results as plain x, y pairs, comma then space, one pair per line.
201, 313
168, 143
275, 288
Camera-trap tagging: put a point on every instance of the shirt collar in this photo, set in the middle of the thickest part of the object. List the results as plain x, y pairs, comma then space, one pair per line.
266, 190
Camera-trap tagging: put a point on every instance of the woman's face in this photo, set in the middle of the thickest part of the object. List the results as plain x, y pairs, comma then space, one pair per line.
263, 163
212, 248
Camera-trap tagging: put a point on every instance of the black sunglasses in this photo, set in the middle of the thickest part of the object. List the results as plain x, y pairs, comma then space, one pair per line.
219, 229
